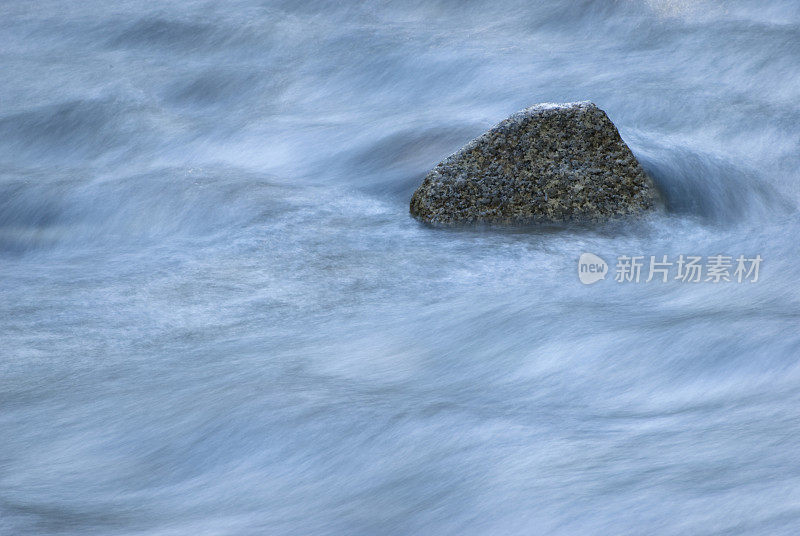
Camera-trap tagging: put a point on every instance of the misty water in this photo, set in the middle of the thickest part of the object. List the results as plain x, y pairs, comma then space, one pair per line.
217, 316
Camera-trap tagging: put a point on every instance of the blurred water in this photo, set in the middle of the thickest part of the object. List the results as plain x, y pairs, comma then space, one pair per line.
217, 316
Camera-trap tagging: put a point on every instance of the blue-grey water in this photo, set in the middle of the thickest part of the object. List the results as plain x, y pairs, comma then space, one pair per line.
217, 317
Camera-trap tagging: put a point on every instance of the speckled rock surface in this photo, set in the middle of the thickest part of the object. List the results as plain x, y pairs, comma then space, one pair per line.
547, 163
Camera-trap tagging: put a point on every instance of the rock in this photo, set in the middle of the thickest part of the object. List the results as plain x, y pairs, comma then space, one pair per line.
547, 163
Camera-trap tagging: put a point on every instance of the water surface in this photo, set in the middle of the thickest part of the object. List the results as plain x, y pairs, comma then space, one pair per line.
217, 316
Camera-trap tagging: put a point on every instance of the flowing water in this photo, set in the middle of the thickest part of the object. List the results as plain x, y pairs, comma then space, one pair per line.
217, 316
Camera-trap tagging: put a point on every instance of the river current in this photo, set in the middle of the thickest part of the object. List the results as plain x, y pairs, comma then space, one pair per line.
217, 316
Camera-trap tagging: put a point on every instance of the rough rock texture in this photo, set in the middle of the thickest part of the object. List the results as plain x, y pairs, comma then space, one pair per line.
547, 163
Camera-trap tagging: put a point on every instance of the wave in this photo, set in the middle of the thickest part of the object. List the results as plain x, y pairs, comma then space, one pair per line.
145, 208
